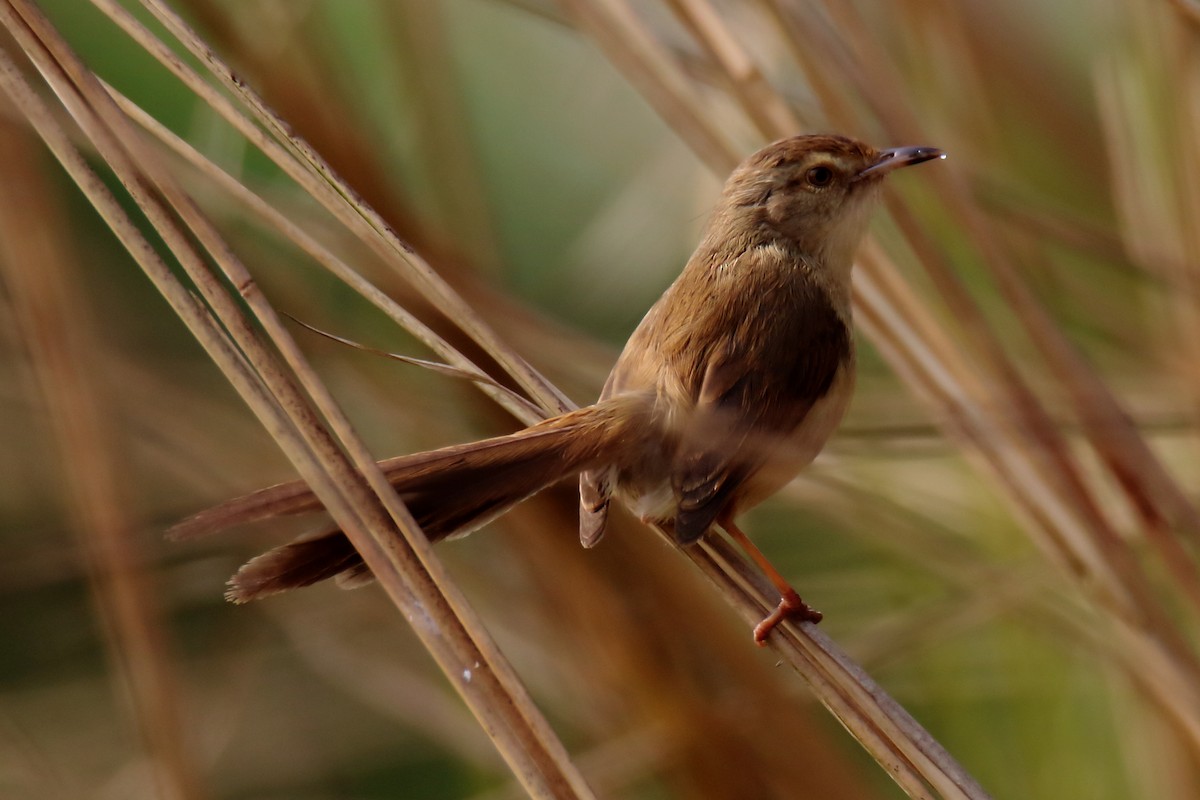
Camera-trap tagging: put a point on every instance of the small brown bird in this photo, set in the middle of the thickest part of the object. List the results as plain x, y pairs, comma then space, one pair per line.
731, 385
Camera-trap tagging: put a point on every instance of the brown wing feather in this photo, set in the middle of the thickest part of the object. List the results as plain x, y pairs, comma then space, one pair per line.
758, 386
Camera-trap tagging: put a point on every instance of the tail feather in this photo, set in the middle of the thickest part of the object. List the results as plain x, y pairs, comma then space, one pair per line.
302, 562
449, 492
410, 474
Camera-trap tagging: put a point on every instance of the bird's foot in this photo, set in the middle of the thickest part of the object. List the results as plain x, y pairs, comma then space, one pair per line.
790, 607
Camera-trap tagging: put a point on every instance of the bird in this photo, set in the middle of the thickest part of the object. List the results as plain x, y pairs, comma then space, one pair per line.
731, 384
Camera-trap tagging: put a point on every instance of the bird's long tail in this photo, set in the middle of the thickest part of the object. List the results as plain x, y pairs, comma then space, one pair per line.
449, 491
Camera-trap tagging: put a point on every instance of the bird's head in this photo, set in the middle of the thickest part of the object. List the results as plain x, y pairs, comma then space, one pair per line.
817, 191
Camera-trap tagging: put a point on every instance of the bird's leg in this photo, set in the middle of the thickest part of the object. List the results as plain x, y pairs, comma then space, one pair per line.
790, 604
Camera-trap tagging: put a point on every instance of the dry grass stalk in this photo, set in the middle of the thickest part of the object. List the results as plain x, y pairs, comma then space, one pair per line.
303, 242
766, 595
516, 405
443, 126
411, 577
649, 66
1077, 533
315, 176
900, 749
983, 400
343, 201
1152, 492
901, 746
66, 361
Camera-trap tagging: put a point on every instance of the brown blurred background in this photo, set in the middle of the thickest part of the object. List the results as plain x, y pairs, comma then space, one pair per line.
509, 149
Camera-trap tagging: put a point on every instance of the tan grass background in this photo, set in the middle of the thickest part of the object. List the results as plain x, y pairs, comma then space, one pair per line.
1004, 535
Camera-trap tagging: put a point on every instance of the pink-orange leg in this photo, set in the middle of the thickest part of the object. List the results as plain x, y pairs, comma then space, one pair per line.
790, 604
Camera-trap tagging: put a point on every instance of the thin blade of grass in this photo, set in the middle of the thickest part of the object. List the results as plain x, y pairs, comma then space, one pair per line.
411, 579
906, 751
764, 106
433, 366
1077, 531
313, 173
60, 335
518, 406
443, 126
1046, 452
649, 67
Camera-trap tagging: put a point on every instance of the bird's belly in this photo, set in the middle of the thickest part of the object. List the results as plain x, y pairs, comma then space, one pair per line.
803, 445
645, 488
653, 503
643, 484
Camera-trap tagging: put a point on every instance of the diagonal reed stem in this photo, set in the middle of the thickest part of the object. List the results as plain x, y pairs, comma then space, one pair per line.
67, 360
369, 512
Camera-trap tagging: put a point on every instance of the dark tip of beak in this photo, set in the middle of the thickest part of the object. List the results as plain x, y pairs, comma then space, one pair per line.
899, 157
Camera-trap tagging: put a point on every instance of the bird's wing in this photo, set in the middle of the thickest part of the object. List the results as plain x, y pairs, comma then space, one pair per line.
757, 388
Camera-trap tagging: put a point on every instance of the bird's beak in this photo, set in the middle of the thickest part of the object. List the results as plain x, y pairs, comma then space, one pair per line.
899, 157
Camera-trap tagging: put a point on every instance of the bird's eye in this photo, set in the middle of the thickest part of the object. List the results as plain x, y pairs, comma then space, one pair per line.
819, 177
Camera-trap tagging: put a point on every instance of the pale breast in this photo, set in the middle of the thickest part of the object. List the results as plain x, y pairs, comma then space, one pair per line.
805, 442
